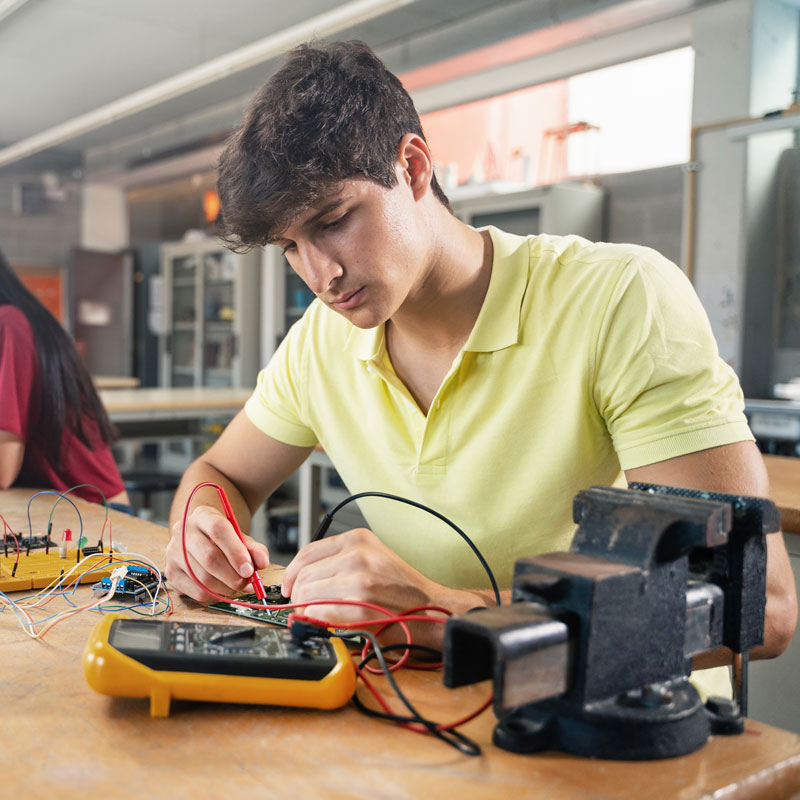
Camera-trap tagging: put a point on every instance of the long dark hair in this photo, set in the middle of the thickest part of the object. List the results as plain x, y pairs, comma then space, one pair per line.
68, 395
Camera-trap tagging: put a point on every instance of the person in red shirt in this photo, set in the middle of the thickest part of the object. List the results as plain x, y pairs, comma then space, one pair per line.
54, 431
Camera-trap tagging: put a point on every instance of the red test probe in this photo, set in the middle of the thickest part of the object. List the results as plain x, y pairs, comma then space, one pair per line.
255, 578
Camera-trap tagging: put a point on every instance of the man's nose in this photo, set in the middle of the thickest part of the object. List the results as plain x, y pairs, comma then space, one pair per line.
320, 269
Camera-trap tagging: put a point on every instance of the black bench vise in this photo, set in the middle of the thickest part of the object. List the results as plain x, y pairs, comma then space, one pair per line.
592, 655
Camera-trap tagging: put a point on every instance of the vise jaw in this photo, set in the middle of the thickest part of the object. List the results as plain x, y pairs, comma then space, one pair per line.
592, 656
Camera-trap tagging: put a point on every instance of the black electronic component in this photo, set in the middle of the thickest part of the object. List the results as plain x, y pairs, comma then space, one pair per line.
36, 541
274, 596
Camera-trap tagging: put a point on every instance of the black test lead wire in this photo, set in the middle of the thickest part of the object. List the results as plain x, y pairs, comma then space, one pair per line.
328, 518
454, 738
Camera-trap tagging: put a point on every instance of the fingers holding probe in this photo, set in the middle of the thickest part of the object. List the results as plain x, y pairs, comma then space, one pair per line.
222, 561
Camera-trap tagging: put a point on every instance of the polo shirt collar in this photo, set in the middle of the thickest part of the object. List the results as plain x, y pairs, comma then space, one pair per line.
498, 322
366, 344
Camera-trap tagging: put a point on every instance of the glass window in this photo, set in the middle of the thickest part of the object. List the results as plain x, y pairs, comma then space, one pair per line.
500, 138
640, 113
631, 116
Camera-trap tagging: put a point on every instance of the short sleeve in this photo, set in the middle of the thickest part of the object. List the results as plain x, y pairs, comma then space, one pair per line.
277, 405
17, 371
660, 384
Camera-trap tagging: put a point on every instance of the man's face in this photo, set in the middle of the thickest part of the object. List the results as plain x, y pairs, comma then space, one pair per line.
358, 250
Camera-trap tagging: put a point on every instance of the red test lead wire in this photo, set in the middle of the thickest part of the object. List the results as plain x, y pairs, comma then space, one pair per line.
255, 578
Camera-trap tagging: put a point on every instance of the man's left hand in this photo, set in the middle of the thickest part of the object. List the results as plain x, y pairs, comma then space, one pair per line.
357, 566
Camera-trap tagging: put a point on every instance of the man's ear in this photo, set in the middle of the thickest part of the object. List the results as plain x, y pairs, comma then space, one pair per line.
415, 164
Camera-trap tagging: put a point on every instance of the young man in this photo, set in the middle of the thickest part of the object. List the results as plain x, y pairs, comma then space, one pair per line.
486, 375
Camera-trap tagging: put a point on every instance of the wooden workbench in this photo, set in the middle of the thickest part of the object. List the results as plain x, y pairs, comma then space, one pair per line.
60, 738
784, 480
115, 382
173, 403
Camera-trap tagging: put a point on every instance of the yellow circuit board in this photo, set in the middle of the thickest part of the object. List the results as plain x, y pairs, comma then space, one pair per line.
37, 570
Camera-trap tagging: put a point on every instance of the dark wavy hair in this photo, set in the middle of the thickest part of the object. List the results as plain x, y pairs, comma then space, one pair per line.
68, 395
330, 113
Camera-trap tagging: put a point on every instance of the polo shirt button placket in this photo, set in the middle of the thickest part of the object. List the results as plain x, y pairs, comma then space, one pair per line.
431, 456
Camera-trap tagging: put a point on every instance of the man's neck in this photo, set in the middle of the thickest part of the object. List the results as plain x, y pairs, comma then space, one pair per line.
424, 338
440, 313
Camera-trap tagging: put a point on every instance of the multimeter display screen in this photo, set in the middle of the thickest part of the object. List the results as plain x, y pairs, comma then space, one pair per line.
128, 635
262, 650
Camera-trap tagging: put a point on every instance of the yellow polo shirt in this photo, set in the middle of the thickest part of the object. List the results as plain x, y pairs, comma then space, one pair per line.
586, 359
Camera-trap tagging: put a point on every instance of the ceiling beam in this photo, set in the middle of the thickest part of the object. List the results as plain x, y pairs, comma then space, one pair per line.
326, 24
8, 7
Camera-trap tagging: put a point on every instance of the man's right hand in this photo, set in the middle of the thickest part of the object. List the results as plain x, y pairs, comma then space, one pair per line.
216, 555
249, 466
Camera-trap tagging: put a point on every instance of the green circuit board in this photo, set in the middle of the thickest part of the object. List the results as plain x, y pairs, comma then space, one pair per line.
278, 616
274, 617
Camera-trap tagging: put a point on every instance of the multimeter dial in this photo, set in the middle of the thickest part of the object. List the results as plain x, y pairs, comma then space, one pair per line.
222, 649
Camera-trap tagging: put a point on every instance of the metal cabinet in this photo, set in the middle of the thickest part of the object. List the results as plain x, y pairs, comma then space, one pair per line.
285, 299
560, 209
211, 315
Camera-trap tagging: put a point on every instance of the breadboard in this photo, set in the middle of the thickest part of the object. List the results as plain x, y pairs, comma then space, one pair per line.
40, 569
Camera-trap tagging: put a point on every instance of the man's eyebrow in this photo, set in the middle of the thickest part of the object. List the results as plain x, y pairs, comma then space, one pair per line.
276, 239
327, 208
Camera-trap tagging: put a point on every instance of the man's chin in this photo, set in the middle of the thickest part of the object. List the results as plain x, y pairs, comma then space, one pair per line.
361, 317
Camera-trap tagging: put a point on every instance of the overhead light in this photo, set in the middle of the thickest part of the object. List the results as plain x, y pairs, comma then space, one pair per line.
8, 7
345, 16
211, 205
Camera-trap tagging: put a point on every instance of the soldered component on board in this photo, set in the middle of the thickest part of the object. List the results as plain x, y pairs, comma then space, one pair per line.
273, 596
35, 541
136, 585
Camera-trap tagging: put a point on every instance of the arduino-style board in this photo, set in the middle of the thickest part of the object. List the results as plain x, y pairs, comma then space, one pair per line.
135, 586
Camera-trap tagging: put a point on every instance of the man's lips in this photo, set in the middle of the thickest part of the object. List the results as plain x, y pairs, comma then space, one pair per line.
349, 299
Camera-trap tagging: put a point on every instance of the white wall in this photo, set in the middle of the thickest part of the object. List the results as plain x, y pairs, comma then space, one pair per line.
104, 218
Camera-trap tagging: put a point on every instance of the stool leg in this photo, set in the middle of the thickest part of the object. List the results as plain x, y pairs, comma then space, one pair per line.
146, 511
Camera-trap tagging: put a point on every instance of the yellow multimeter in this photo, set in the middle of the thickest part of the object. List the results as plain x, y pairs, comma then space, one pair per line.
216, 663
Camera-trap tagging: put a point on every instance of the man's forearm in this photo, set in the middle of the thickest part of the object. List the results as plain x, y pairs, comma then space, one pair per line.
485, 597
